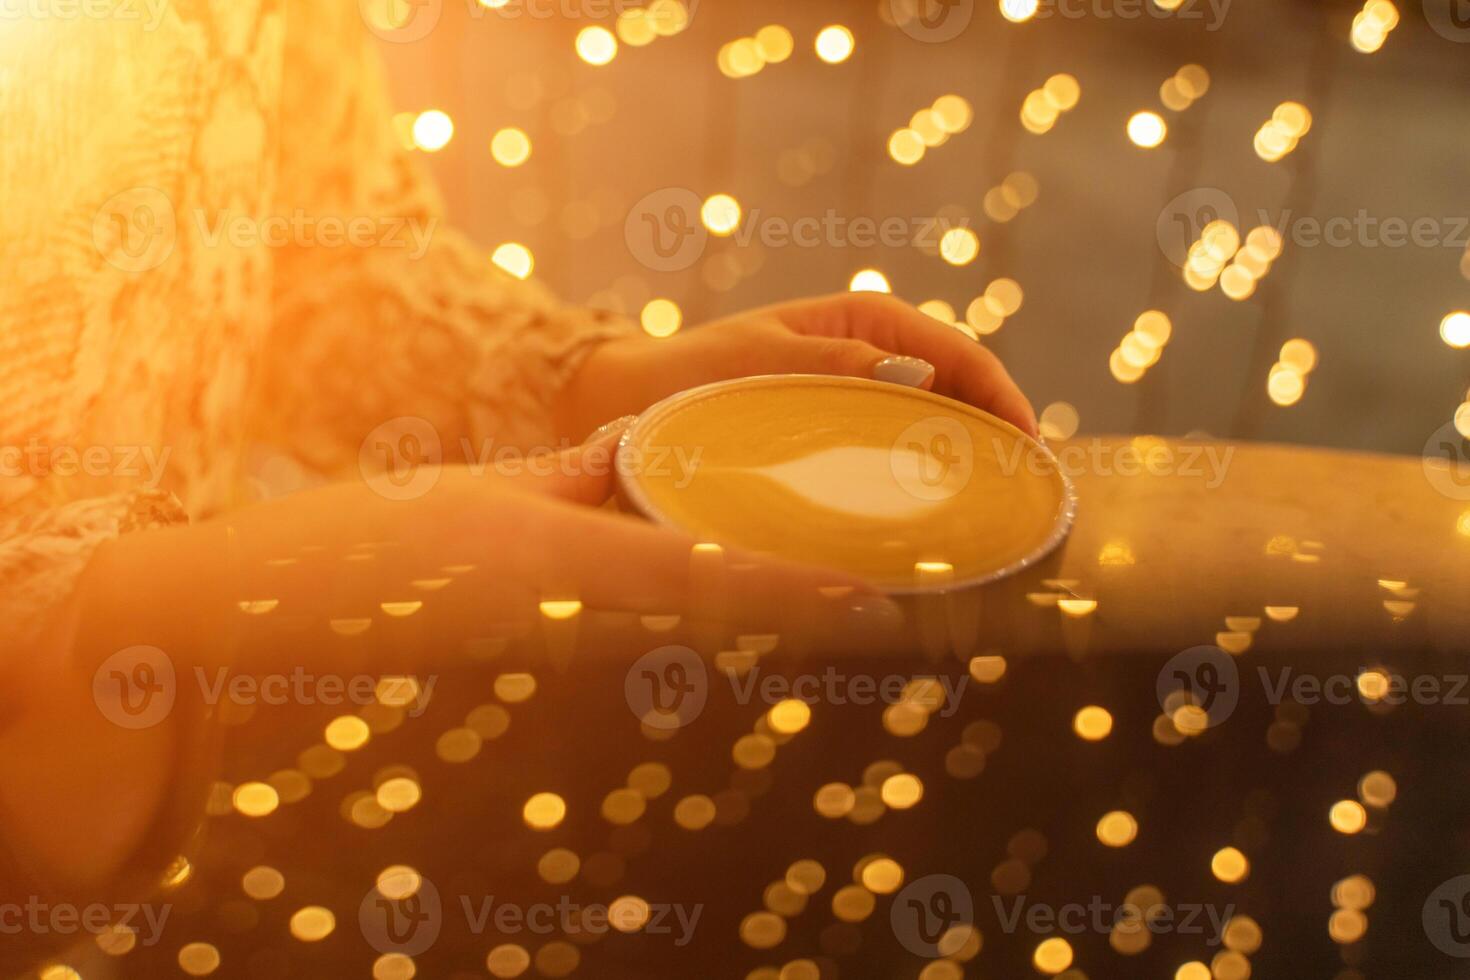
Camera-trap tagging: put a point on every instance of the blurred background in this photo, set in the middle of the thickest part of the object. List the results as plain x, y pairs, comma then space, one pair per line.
1038, 209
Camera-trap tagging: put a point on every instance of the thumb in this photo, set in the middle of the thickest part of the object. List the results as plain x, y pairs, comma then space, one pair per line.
858, 359
584, 475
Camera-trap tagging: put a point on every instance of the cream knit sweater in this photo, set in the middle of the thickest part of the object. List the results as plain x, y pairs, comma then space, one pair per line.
211, 239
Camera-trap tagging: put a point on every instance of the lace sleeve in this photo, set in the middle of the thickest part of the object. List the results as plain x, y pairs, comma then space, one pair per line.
415, 322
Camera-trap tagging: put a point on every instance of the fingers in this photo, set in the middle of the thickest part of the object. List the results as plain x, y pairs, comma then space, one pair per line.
618, 563
852, 358
585, 475
963, 369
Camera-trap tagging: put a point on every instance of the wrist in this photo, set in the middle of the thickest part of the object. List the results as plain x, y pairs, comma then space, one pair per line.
608, 384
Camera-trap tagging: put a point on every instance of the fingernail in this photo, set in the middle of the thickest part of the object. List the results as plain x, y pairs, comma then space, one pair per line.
615, 427
901, 370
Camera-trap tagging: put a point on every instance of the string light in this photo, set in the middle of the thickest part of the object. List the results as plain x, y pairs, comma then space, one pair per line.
510, 147
596, 45
959, 246
661, 318
514, 258
1043, 106
1011, 196
835, 44
1147, 129
1454, 329
721, 215
869, 281
1372, 24
1182, 89
1019, 11
1279, 135
1141, 347
1287, 380
432, 130
930, 127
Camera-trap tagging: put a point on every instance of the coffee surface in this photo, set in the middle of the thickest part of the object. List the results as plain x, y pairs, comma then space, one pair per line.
905, 488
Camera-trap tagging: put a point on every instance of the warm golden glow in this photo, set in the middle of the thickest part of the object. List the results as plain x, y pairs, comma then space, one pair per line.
1092, 723
1147, 129
398, 794
198, 959
902, 791
544, 811
514, 258
835, 44
1229, 865
789, 717
1354, 892
1347, 816
661, 318
869, 281
882, 876
1454, 329
432, 130
256, 799
1117, 829
508, 960
1242, 934
806, 877
1373, 685
560, 609
959, 246
596, 45
312, 923
399, 881
762, 930
694, 812
1018, 11
775, 43
721, 214
1052, 956
510, 147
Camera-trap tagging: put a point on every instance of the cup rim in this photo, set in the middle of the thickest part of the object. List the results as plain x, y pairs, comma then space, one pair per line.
1062, 523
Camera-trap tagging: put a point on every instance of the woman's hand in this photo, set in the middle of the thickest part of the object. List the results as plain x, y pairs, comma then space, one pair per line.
341, 582
864, 335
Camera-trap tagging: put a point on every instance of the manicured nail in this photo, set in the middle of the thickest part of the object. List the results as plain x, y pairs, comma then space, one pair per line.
615, 427
911, 371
